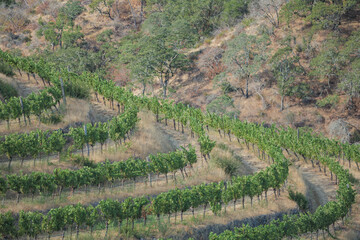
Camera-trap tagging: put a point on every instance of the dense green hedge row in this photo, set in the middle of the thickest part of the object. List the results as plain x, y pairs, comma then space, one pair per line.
172, 202
39, 142
34, 104
99, 174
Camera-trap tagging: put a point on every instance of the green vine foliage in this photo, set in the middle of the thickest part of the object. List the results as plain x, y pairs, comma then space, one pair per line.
270, 142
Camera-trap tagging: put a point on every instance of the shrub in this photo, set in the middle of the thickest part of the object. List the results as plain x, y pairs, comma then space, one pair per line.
300, 200
290, 117
223, 146
319, 118
233, 10
299, 48
77, 89
220, 104
263, 29
247, 22
50, 117
171, 90
7, 90
227, 163
82, 161
7, 2
207, 41
6, 69
226, 87
72, 9
301, 90
328, 102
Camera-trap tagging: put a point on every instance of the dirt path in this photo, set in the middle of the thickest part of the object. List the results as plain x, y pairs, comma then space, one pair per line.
320, 189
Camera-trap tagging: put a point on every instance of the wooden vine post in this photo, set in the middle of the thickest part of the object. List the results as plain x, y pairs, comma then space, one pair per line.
149, 175
22, 109
62, 90
87, 142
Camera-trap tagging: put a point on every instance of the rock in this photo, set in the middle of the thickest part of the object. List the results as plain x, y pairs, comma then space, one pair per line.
300, 124
319, 119
340, 129
210, 98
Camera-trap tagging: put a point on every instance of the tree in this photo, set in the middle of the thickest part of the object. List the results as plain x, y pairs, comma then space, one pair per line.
328, 62
350, 80
72, 36
104, 7
142, 72
202, 15
160, 53
163, 61
53, 31
325, 15
71, 10
7, 2
13, 19
210, 62
285, 69
293, 8
244, 56
270, 11
234, 10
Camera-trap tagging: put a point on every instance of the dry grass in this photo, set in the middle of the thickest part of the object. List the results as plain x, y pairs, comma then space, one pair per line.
77, 110
149, 138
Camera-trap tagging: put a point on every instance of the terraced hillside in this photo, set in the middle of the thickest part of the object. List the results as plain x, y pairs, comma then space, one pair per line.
117, 130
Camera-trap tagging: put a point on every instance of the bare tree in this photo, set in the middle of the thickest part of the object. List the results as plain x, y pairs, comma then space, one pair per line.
49, 7
258, 86
104, 7
13, 19
132, 12
210, 62
270, 10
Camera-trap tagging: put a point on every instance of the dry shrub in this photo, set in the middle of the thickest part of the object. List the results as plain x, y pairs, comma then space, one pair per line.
135, 3
13, 19
121, 9
120, 75
210, 62
42, 7
48, 7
